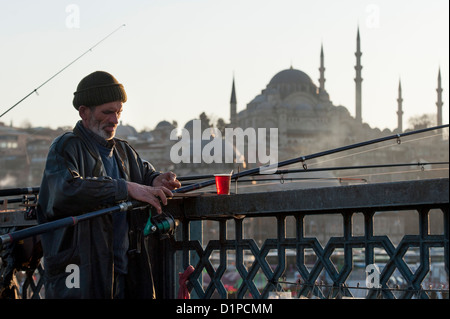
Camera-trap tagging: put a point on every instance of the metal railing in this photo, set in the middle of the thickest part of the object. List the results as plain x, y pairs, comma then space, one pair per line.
235, 264
420, 197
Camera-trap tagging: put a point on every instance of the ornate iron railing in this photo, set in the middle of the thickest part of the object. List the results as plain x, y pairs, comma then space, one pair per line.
421, 197
259, 264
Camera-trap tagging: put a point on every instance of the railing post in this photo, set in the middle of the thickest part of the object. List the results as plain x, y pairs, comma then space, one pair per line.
424, 251
281, 252
222, 250
195, 234
348, 251
446, 221
185, 243
368, 235
168, 278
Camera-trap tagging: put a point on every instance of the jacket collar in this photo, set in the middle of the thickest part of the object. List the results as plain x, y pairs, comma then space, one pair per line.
90, 138
83, 133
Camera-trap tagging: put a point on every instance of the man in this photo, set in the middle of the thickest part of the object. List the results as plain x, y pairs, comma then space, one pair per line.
89, 169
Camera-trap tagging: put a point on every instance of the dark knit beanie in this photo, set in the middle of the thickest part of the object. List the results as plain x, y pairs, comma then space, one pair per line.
98, 88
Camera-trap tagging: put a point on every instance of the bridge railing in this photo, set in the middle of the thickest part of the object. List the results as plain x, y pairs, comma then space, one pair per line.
306, 243
290, 262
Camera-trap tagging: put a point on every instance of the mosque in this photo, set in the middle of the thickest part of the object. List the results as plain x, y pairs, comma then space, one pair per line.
304, 114
307, 122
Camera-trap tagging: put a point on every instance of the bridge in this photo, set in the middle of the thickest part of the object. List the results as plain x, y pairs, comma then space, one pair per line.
288, 259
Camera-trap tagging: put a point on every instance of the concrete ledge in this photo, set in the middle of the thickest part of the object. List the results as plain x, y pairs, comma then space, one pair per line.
378, 197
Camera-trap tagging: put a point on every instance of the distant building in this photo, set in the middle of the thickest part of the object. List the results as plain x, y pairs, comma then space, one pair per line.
23, 155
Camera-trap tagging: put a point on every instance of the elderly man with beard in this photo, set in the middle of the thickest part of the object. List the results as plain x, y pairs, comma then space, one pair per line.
89, 169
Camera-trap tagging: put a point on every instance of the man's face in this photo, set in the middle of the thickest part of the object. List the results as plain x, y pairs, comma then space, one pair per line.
102, 119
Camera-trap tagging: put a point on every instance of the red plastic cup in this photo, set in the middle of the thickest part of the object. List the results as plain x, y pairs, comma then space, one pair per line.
223, 182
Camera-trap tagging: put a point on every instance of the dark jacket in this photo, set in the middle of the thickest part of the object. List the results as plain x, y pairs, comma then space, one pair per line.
75, 182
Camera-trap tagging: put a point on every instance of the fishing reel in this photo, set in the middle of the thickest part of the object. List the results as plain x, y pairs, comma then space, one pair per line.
163, 223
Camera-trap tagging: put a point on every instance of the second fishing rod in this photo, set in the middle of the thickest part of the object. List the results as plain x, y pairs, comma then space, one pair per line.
154, 225
271, 169
165, 223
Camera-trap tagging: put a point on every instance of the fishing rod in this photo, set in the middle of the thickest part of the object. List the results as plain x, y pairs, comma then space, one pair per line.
270, 169
340, 168
334, 168
63, 222
35, 190
153, 225
295, 179
64, 68
166, 222
16, 200
19, 191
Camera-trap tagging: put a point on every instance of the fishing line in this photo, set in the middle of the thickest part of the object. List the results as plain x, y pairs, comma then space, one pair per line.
355, 178
64, 68
397, 172
322, 169
359, 178
373, 149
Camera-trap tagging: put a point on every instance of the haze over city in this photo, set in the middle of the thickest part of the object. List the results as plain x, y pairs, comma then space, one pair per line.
177, 59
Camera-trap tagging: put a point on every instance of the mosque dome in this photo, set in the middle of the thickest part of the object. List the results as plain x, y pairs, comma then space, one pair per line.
290, 81
290, 76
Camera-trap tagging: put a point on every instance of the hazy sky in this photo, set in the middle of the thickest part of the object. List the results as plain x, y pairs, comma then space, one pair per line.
176, 59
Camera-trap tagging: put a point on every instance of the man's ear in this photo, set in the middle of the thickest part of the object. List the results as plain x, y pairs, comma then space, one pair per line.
84, 112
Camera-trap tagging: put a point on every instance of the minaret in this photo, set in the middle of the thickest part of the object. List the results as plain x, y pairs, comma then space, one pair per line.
233, 103
358, 80
439, 102
322, 71
400, 109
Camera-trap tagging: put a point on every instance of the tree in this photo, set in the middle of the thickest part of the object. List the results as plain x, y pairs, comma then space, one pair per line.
422, 121
221, 125
205, 121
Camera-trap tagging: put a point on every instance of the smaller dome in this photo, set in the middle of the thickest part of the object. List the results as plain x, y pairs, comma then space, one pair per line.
164, 124
125, 131
189, 125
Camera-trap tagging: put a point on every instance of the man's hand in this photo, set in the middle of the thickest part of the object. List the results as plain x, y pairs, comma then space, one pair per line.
168, 180
149, 194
